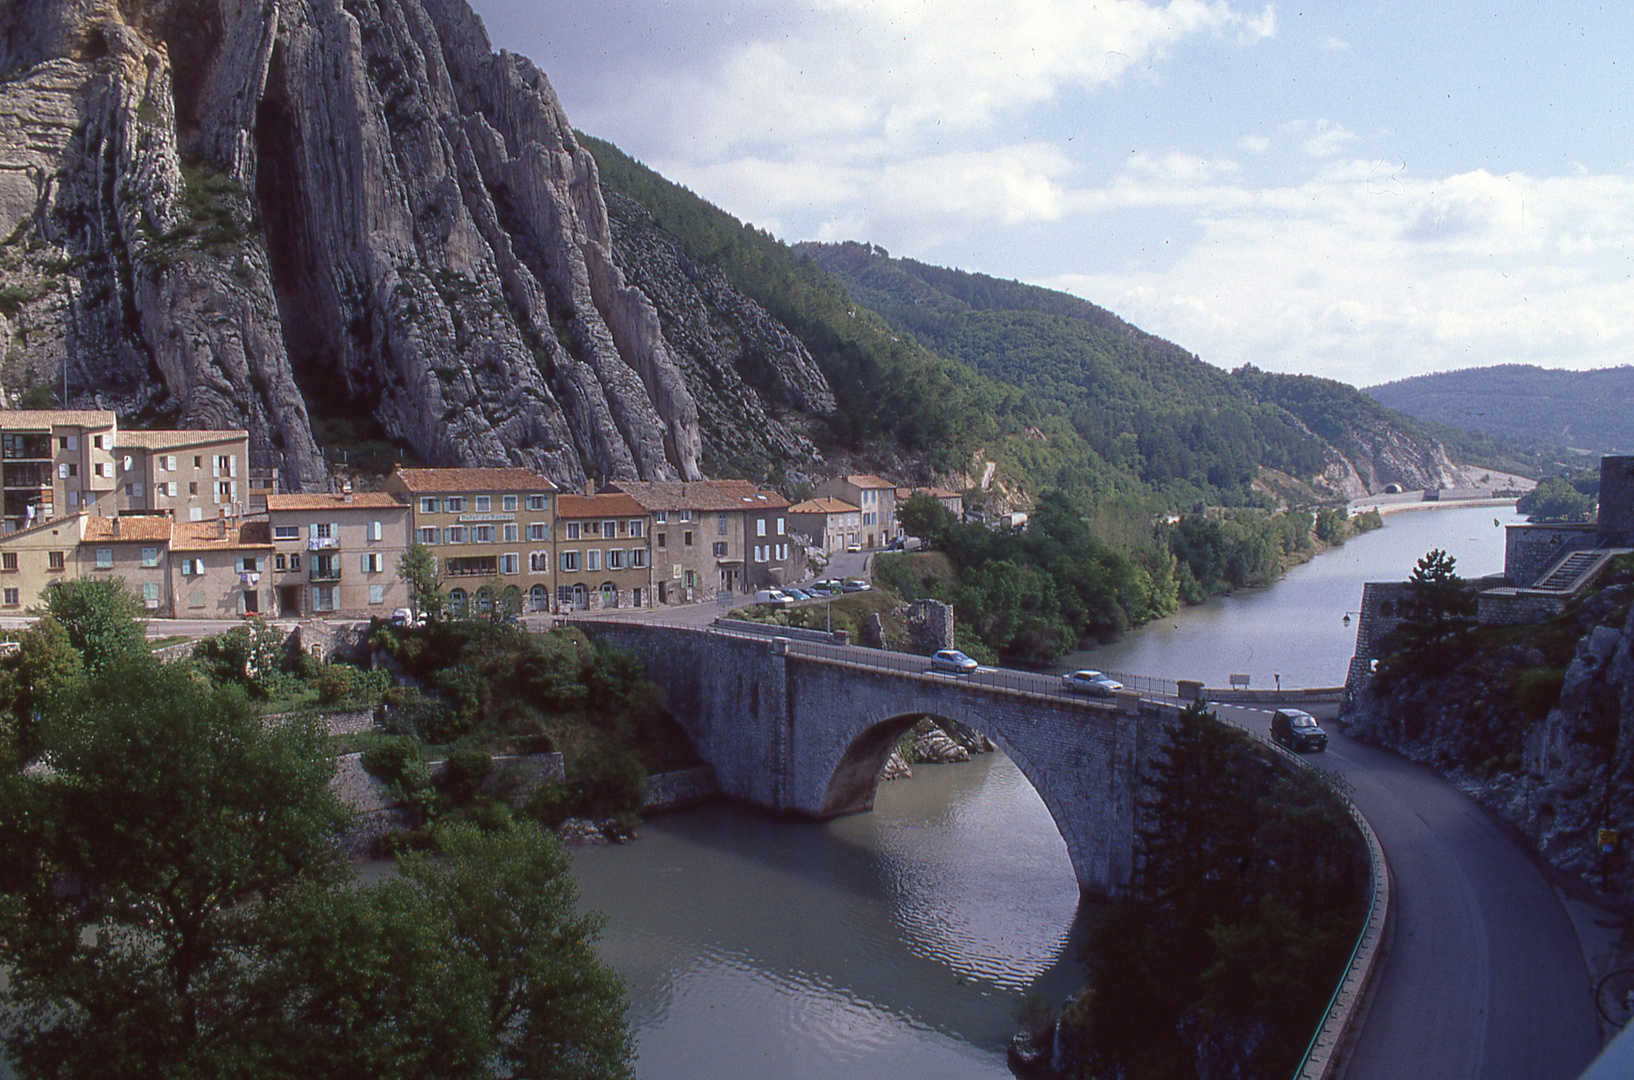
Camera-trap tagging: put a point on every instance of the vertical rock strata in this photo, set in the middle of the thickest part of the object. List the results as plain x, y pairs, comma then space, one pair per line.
256, 212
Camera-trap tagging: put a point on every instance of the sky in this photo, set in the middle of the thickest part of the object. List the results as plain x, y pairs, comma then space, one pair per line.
1363, 190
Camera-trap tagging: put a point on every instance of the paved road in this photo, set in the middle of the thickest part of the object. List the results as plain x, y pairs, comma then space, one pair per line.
1485, 979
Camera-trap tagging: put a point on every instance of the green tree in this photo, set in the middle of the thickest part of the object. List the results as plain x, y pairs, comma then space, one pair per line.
418, 568
1438, 598
46, 667
102, 617
1556, 499
132, 868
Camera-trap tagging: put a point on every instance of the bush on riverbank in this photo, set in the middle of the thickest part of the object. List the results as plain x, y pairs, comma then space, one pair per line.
1248, 894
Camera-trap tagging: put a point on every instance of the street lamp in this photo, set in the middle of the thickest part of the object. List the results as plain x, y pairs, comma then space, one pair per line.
1348, 614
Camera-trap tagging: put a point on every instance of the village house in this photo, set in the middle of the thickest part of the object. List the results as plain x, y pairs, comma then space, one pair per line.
604, 557
191, 475
714, 536
54, 463
874, 498
491, 530
219, 568
952, 500
32, 558
337, 555
830, 524
134, 548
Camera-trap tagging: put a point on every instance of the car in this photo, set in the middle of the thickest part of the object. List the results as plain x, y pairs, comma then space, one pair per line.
952, 660
1297, 730
852, 549
405, 617
855, 586
1090, 682
797, 594
775, 597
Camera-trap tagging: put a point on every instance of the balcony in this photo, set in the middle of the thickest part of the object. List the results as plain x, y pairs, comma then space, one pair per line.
322, 543
324, 572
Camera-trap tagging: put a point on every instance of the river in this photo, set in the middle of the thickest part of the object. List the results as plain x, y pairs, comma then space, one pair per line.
901, 942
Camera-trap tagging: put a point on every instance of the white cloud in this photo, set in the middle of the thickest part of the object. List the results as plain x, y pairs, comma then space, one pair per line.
1334, 44
1329, 140
1262, 26
1254, 144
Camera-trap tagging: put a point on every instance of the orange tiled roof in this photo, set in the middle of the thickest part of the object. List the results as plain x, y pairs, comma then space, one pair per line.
155, 440
361, 500
709, 496
824, 506
147, 528
609, 504
868, 480
203, 536
16, 419
479, 479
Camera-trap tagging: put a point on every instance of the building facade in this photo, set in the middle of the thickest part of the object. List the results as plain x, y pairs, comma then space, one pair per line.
337, 555
32, 558
491, 530
874, 498
603, 552
134, 548
219, 569
714, 536
55, 463
191, 475
831, 525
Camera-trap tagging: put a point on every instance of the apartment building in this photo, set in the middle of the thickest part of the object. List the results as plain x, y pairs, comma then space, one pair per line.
952, 500
219, 568
874, 498
603, 552
830, 524
54, 463
337, 555
714, 536
136, 549
491, 530
191, 475
32, 558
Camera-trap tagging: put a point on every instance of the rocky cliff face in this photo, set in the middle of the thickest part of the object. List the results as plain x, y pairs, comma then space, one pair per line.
1559, 776
252, 212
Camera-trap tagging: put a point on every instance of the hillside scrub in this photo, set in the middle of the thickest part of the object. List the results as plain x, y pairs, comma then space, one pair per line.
1248, 893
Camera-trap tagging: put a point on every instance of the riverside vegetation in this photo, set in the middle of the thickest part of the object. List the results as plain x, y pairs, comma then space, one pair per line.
172, 901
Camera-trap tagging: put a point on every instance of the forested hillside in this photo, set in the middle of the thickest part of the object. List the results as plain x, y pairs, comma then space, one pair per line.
1587, 410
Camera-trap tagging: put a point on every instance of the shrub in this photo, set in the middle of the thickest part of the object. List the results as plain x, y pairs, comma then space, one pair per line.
463, 775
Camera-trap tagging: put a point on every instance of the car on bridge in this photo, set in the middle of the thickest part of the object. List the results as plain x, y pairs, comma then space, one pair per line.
952, 661
1090, 682
1297, 730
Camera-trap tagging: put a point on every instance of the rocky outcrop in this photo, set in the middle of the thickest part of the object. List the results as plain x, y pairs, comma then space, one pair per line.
255, 212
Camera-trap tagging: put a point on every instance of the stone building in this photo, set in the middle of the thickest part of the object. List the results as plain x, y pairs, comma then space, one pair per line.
874, 498
191, 475
491, 530
219, 569
603, 552
56, 462
337, 555
134, 548
831, 525
715, 536
32, 558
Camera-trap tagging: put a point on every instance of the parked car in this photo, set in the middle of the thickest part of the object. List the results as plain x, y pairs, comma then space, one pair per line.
1090, 682
776, 597
1298, 730
855, 586
797, 594
952, 660
853, 548
405, 617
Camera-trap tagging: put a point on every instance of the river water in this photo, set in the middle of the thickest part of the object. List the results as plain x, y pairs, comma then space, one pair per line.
900, 943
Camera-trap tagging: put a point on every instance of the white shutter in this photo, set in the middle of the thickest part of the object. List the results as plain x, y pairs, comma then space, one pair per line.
215, 466
334, 531
232, 491
363, 563
232, 466
312, 531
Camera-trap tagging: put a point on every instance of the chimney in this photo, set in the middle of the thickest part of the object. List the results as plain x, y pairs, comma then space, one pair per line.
346, 492
221, 525
116, 528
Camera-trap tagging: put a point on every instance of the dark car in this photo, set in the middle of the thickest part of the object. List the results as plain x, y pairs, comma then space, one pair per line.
1298, 730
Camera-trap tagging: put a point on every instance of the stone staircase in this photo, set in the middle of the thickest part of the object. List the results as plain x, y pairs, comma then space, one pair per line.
1576, 569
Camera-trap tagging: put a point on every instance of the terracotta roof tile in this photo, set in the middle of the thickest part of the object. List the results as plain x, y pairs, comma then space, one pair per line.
202, 536
868, 480
146, 528
824, 506
156, 440
13, 419
362, 500
704, 495
607, 504
479, 479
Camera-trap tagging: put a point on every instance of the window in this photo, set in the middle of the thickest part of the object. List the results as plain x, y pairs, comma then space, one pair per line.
150, 556
374, 531
720, 550
538, 530
101, 469
323, 530
760, 526
538, 502
198, 461
294, 562
104, 558
150, 593
224, 490
637, 527
510, 564
454, 534
573, 530
592, 559
482, 534
249, 564
454, 504
507, 502
67, 469
14, 597
70, 442
638, 558
683, 515
96, 441
609, 529
323, 598
570, 560
279, 563
224, 465
539, 562
428, 535
162, 489
193, 489
167, 463
482, 503
56, 560
615, 559
195, 599
661, 538
661, 517
513, 532
760, 553
372, 562
286, 532
720, 524
8, 560
377, 594
687, 538
691, 579
428, 505
780, 531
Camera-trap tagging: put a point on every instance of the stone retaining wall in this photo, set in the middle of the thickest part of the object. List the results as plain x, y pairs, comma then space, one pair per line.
680, 789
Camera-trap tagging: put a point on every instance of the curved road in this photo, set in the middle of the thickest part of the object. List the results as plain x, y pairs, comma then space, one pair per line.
1485, 978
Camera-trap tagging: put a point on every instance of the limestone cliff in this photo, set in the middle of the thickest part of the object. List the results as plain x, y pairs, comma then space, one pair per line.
254, 212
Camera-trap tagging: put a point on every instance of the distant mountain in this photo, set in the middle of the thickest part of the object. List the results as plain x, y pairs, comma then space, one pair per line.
1587, 410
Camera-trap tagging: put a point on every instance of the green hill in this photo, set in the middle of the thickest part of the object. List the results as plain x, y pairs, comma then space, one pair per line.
1587, 410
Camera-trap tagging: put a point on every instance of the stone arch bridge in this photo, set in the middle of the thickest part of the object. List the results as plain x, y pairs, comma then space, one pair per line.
797, 725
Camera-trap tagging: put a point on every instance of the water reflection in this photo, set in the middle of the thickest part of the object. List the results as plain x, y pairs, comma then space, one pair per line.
897, 942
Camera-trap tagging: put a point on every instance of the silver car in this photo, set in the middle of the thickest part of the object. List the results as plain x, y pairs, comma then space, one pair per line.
1090, 682
952, 660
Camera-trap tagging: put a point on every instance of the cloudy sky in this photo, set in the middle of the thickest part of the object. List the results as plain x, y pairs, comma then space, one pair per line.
1364, 189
